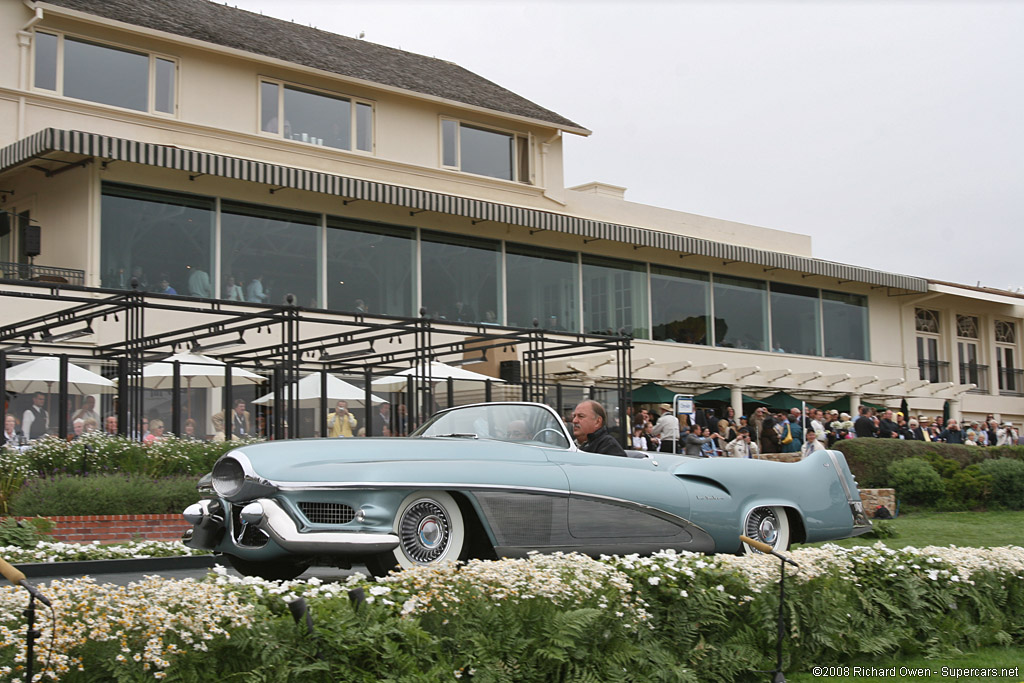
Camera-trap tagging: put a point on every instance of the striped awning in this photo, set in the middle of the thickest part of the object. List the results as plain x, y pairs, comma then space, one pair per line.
165, 156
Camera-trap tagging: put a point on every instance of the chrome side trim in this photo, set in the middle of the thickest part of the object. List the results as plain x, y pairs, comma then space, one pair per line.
282, 529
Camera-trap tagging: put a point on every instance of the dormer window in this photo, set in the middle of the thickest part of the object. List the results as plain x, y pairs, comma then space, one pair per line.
315, 117
86, 70
485, 151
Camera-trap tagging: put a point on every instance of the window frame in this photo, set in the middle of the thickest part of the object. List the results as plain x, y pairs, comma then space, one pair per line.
353, 101
151, 72
516, 160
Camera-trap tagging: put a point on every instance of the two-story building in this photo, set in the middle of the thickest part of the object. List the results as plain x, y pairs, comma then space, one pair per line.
228, 157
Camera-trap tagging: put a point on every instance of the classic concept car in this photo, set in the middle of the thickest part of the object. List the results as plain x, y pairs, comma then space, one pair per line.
500, 480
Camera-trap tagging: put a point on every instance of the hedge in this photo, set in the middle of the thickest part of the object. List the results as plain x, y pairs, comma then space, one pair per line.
869, 459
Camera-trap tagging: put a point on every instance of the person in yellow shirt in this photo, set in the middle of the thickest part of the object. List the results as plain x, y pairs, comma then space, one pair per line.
341, 422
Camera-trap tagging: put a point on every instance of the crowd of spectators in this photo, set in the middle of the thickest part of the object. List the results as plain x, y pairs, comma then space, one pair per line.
764, 431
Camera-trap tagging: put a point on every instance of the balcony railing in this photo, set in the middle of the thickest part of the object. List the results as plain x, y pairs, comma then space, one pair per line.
34, 273
934, 370
1011, 382
972, 373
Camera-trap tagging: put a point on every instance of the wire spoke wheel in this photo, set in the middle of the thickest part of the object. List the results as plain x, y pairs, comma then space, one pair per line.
430, 530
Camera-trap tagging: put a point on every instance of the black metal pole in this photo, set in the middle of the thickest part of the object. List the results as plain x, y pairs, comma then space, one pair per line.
30, 637
228, 409
451, 391
62, 398
323, 402
278, 432
176, 400
487, 391
368, 400
778, 676
122, 396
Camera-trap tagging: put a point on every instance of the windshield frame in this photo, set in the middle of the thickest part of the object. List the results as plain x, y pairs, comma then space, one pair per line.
562, 428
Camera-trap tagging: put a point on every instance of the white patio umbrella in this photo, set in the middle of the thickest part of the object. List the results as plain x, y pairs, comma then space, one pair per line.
197, 372
43, 374
439, 372
307, 392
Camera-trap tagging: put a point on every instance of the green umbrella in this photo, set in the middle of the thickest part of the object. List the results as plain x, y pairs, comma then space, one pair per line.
722, 396
652, 393
780, 400
842, 404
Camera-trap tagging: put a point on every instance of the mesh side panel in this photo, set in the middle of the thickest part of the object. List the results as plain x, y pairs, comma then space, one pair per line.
327, 513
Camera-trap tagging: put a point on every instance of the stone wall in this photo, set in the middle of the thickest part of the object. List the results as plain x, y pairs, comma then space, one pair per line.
872, 498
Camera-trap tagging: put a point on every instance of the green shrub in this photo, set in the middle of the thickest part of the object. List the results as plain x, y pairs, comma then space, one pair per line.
916, 481
104, 494
967, 489
869, 459
26, 533
882, 528
1007, 481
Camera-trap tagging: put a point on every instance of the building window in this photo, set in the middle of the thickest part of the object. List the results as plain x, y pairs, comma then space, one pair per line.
316, 118
542, 285
461, 278
153, 236
104, 74
845, 323
614, 297
270, 253
370, 268
967, 326
485, 151
1006, 332
926, 321
680, 305
741, 313
796, 320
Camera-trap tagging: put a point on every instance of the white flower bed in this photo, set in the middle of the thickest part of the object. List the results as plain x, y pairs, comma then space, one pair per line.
48, 552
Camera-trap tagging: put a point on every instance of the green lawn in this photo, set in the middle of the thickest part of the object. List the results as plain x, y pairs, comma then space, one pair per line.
970, 529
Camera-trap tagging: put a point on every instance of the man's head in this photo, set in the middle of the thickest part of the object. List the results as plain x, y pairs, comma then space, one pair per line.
239, 405
587, 418
110, 424
887, 414
794, 413
385, 408
864, 410
744, 433
39, 398
341, 407
517, 430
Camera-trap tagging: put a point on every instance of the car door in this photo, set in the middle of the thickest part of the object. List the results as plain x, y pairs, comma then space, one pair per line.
622, 501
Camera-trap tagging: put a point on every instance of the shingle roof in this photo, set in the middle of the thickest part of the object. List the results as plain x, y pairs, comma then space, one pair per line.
243, 30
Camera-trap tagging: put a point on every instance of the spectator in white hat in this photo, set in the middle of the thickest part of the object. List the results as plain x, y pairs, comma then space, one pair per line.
1006, 435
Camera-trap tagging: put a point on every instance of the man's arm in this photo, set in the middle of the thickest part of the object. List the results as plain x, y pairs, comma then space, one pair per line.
26, 422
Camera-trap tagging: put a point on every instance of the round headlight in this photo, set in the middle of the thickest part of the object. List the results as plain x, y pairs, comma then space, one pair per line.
228, 477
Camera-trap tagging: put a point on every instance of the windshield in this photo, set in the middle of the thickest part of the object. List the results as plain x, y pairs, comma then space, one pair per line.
520, 423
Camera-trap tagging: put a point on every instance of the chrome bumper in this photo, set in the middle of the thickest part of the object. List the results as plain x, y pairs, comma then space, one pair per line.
268, 516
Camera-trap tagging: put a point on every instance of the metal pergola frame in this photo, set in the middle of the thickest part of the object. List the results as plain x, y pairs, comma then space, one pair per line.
310, 340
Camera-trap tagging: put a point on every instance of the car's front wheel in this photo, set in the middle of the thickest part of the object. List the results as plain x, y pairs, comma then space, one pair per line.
272, 570
768, 524
430, 530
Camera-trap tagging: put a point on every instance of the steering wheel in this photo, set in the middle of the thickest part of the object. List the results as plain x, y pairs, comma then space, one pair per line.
536, 437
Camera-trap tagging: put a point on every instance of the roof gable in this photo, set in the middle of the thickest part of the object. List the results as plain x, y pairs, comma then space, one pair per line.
243, 30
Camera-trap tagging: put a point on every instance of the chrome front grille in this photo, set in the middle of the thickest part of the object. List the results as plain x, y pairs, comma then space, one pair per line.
327, 513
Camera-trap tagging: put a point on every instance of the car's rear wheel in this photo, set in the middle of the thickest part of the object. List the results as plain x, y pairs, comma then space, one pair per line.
271, 570
768, 524
430, 530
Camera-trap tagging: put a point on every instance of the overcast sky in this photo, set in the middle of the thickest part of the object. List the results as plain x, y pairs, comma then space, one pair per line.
892, 132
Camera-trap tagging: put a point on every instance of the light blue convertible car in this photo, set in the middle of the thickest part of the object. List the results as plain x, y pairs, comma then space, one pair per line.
499, 480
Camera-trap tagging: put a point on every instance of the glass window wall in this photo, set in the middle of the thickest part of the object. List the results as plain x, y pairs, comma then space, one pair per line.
318, 119
614, 297
845, 322
46, 61
164, 88
370, 268
152, 236
542, 284
680, 305
486, 152
107, 75
741, 313
270, 253
461, 278
796, 320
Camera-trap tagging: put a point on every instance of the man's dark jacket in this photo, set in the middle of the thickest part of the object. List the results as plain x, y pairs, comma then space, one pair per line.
601, 441
865, 426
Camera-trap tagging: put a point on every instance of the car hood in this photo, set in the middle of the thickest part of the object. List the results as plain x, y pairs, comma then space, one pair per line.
329, 459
